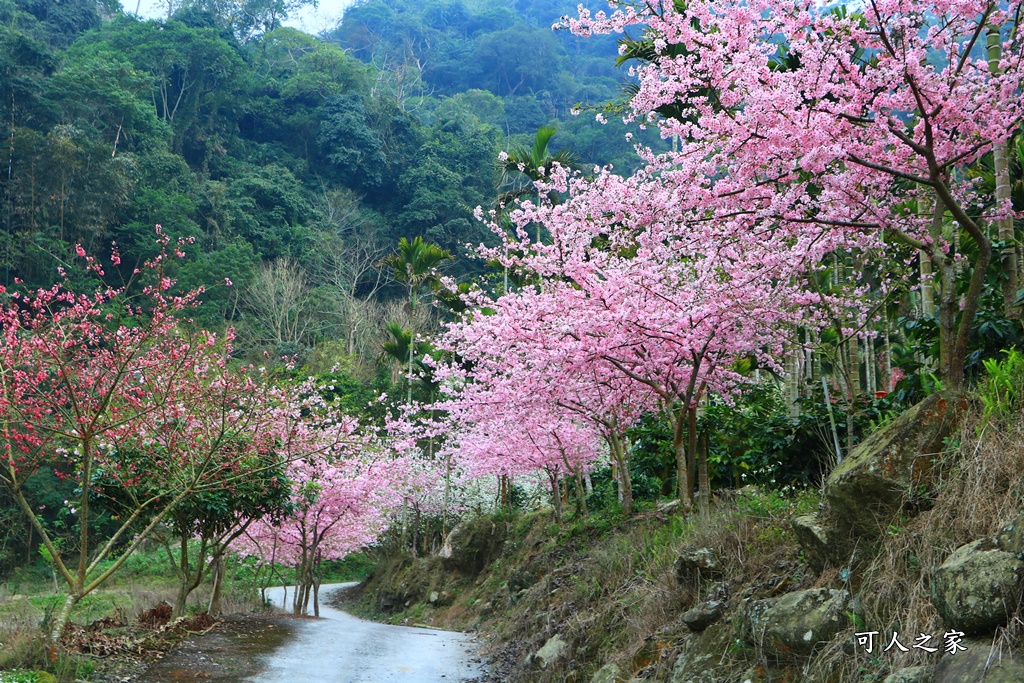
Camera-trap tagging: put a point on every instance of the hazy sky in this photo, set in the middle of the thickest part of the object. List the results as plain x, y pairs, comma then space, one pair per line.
309, 20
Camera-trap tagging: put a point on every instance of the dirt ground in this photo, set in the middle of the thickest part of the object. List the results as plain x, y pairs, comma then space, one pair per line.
227, 653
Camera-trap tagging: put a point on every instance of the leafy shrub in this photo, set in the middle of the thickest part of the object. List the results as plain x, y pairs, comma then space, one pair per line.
1001, 390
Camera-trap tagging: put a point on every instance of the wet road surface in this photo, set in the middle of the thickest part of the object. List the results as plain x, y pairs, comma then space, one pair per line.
340, 648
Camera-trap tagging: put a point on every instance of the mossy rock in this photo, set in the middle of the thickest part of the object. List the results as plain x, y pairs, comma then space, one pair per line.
554, 649
473, 545
873, 483
979, 663
797, 622
978, 587
701, 655
697, 564
1011, 536
609, 673
816, 541
914, 674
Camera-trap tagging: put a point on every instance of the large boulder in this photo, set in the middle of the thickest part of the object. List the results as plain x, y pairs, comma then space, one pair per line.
816, 540
1011, 536
556, 648
702, 654
978, 587
797, 622
979, 664
703, 615
697, 564
913, 674
609, 673
872, 484
473, 545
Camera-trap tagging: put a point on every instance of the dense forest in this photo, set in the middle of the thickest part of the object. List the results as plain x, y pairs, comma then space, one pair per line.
266, 144
564, 271
292, 163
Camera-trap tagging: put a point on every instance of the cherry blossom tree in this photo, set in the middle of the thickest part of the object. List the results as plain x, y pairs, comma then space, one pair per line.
497, 433
650, 303
100, 389
828, 125
341, 502
525, 386
117, 393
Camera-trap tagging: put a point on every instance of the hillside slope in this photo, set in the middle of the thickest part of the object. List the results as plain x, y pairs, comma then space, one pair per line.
733, 596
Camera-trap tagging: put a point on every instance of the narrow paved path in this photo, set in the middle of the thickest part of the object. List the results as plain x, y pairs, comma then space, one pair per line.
339, 648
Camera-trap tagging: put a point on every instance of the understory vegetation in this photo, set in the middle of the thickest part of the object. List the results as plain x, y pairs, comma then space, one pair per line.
613, 588
675, 340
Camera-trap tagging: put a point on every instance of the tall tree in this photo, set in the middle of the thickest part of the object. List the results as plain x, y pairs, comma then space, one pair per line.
802, 159
415, 264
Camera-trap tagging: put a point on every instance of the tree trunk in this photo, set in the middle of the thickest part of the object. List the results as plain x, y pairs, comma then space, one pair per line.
684, 446
556, 495
447, 494
59, 621
853, 349
703, 476
218, 583
189, 578
691, 448
925, 207
949, 306
297, 597
581, 496
887, 378
317, 577
869, 365
620, 458
1000, 158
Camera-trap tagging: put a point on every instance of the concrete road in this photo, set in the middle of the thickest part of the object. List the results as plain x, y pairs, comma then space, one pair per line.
339, 648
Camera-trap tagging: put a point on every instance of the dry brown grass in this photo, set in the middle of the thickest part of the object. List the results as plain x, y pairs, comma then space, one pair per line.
615, 595
981, 488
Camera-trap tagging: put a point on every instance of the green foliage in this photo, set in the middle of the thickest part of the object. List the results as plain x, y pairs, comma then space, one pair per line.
26, 677
1001, 390
353, 567
25, 657
751, 441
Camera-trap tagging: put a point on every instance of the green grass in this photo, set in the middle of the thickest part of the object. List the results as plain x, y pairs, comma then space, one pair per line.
26, 677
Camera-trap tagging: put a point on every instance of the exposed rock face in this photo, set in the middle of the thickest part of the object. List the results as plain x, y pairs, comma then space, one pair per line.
970, 666
471, 547
609, 673
703, 615
914, 674
442, 599
871, 485
1011, 537
696, 564
977, 588
815, 539
795, 623
553, 650
701, 656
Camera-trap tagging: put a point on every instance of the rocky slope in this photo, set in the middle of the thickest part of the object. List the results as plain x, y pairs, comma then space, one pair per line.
907, 569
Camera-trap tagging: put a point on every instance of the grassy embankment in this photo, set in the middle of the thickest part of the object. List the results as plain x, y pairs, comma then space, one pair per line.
609, 587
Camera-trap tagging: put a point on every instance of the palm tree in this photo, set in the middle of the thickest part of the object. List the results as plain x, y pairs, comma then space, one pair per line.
400, 347
523, 166
415, 264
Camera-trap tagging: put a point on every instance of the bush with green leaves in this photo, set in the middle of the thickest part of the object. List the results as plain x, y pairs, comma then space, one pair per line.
1003, 387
